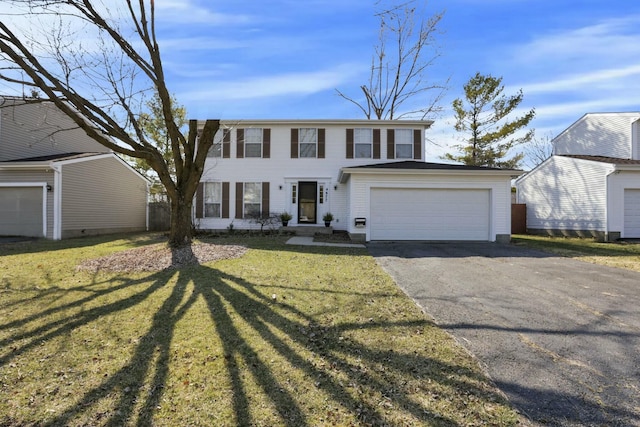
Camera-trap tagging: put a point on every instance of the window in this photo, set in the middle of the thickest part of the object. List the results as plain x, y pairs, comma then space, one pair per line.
363, 141
212, 199
252, 199
308, 140
404, 143
294, 194
216, 148
253, 142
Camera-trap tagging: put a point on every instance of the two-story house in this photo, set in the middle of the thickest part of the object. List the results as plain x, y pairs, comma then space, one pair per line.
56, 182
590, 186
371, 175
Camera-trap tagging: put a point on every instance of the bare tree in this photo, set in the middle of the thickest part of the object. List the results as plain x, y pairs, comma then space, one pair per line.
405, 51
538, 150
78, 55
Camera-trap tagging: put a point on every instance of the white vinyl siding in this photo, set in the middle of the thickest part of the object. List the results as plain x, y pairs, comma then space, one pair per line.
598, 134
284, 172
361, 188
632, 213
430, 214
565, 194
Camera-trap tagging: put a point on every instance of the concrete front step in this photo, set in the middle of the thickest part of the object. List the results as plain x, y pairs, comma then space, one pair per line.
307, 230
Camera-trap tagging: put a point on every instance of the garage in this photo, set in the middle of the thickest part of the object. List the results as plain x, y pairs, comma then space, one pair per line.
631, 213
21, 211
430, 214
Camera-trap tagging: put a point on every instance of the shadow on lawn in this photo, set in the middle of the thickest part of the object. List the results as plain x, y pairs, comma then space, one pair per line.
230, 300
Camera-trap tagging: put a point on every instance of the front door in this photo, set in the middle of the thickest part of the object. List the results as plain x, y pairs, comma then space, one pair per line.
307, 203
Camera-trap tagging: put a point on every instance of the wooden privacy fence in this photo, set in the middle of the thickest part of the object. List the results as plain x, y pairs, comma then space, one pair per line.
159, 216
518, 218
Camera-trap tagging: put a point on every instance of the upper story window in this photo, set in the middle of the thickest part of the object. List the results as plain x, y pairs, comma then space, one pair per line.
404, 143
216, 148
220, 147
308, 140
253, 142
363, 143
307, 143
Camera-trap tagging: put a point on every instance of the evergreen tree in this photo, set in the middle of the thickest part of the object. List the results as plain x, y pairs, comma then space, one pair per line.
483, 117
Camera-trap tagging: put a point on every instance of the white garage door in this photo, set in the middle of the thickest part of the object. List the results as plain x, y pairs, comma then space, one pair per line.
429, 214
21, 211
631, 213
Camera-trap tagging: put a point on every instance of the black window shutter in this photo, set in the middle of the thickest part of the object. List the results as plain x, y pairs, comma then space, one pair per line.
266, 143
225, 200
200, 201
294, 143
239, 200
349, 143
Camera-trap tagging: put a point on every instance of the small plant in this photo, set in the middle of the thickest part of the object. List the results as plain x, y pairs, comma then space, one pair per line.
327, 218
230, 228
285, 217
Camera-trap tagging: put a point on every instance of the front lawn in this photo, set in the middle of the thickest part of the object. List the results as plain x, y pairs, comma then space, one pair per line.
619, 254
282, 335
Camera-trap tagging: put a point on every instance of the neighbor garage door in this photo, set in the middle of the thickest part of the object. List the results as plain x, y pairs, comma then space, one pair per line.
631, 213
21, 211
429, 214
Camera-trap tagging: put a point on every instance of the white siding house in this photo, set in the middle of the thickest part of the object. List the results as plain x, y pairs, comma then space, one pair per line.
370, 175
56, 182
590, 185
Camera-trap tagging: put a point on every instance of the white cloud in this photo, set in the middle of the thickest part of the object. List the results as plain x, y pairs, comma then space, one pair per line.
614, 39
187, 12
583, 80
300, 83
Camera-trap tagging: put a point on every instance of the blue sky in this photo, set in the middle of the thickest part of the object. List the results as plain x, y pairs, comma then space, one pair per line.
248, 59
284, 59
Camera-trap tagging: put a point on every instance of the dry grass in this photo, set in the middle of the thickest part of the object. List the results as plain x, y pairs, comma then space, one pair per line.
620, 255
279, 336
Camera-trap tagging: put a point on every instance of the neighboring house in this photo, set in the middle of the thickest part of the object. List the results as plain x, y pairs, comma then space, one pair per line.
370, 174
56, 182
591, 185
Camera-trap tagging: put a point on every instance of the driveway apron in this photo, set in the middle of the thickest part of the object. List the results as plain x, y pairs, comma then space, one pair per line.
561, 338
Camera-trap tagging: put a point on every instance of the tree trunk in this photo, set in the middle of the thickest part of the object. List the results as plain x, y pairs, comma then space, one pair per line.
181, 223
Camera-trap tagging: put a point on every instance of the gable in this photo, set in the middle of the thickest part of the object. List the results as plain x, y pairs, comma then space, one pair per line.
36, 130
598, 134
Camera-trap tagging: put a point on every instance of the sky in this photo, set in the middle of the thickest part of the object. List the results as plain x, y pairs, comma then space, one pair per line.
284, 59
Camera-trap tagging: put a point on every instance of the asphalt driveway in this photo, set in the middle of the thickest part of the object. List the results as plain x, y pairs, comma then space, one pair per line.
561, 338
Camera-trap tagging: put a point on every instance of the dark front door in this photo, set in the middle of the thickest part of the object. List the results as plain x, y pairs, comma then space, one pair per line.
307, 203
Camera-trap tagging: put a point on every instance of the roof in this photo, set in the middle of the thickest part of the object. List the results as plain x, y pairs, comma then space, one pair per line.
54, 157
414, 166
325, 122
418, 165
603, 159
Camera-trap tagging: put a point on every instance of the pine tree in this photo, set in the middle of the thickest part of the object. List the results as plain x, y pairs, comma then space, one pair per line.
483, 116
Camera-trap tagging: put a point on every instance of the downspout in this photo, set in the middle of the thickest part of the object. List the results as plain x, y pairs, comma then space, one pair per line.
57, 202
607, 237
